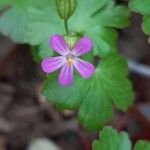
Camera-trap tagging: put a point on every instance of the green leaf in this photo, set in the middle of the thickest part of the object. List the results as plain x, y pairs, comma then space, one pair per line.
12, 24
142, 145
41, 52
146, 24
105, 40
35, 55
113, 16
33, 22
65, 8
96, 96
111, 140
142, 7
40, 28
45, 50
4, 3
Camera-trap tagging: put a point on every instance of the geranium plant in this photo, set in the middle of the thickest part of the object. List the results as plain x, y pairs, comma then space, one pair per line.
64, 30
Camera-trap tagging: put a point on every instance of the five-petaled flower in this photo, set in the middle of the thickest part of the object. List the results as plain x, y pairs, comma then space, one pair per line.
69, 59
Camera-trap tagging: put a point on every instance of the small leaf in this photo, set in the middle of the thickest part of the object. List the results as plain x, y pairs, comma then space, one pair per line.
140, 6
142, 145
66, 8
146, 24
111, 140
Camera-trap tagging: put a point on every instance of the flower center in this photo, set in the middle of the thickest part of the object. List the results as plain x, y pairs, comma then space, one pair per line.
70, 59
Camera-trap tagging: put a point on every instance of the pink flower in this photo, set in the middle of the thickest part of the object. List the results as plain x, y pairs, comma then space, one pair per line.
69, 59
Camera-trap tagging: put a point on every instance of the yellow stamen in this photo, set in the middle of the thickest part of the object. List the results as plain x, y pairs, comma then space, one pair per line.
69, 61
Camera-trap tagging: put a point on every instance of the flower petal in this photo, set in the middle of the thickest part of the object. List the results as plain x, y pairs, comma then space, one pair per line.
82, 47
51, 64
59, 45
66, 75
84, 68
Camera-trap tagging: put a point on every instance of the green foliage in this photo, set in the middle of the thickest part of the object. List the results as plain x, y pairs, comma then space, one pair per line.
96, 96
65, 8
142, 7
142, 145
4, 3
111, 140
10, 26
139, 6
13, 22
98, 21
34, 22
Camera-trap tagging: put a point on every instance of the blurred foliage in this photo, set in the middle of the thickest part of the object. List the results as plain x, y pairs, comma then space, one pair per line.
110, 139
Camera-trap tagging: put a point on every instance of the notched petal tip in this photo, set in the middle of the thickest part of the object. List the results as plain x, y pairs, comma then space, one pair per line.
51, 64
85, 69
58, 44
55, 37
88, 42
44, 65
89, 72
83, 46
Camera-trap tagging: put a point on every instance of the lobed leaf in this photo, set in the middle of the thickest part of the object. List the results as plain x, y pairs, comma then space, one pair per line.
110, 139
33, 22
112, 88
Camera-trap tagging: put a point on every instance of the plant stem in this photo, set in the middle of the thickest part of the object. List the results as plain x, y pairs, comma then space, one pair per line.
66, 26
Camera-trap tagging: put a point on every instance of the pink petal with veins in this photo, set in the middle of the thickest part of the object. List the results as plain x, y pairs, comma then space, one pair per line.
66, 75
51, 64
84, 68
59, 45
83, 46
